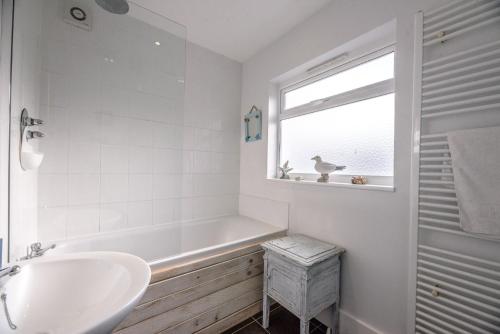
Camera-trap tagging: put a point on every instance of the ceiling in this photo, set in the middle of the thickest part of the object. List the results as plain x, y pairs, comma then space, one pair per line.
235, 28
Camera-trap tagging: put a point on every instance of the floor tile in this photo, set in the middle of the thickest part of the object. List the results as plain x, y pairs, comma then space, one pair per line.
239, 326
281, 322
273, 308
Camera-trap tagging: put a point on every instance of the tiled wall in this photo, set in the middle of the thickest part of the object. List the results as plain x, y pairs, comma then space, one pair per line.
123, 149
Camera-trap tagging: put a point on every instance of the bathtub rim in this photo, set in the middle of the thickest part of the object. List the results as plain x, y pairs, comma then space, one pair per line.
75, 240
193, 256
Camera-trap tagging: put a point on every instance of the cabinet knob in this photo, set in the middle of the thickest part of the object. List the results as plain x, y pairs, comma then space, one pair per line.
435, 291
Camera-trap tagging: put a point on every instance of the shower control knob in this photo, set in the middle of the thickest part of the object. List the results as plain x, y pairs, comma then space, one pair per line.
35, 121
34, 135
26, 120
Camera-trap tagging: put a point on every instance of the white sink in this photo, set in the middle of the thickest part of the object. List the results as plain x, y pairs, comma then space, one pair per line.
73, 293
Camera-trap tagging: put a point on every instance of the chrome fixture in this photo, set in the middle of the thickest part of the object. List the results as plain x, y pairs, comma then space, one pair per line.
6, 310
114, 6
29, 157
9, 271
34, 134
27, 121
36, 250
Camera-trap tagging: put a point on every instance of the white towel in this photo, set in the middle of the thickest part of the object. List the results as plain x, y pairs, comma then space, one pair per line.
475, 156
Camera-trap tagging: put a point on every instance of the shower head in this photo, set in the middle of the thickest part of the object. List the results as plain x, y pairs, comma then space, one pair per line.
114, 6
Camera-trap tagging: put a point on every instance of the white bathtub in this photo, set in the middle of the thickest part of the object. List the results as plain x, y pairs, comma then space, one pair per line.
174, 243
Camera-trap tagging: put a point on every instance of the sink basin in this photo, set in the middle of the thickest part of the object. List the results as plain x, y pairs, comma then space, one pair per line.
88, 292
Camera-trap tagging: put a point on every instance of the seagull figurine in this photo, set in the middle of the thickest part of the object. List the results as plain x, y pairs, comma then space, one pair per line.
325, 168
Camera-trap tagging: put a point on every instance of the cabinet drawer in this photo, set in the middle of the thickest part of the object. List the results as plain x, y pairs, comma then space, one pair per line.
286, 287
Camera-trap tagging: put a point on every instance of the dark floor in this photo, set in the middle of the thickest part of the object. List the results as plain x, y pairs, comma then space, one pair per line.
280, 322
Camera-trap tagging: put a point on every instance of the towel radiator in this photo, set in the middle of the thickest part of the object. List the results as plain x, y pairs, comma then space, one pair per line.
455, 285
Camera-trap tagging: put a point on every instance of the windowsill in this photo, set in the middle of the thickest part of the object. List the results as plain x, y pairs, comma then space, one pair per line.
305, 183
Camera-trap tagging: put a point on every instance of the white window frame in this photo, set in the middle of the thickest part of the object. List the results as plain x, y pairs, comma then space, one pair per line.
355, 95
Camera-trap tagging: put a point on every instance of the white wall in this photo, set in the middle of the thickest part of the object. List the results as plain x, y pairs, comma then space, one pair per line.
373, 226
123, 150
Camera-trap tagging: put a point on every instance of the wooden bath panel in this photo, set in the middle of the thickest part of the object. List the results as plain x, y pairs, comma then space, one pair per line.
203, 297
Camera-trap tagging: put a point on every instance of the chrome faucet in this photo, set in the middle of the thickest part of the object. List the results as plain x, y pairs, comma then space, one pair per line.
9, 271
36, 250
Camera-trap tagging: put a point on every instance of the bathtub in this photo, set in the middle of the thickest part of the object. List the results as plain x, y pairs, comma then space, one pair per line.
206, 275
178, 242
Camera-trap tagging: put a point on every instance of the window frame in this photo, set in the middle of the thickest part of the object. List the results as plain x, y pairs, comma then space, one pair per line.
380, 88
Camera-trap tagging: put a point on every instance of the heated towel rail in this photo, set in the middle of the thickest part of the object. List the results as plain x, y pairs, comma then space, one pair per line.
457, 86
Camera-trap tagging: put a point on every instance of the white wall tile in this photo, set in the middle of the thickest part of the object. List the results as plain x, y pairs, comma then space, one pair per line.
114, 188
56, 122
197, 139
187, 206
187, 185
167, 136
83, 91
54, 90
166, 210
187, 162
140, 187
115, 101
55, 62
228, 205
226, 141
53, 190
114, 159
84, 125
84, 157
167, 161
82, 220
84, 61
114, 130
123, 148
143, 105
83, 189
140, 213
161, 84
52, 223
140, 133
55, 159
202, 162
167, 186
204, 185
225, 162
140, 160
113, 216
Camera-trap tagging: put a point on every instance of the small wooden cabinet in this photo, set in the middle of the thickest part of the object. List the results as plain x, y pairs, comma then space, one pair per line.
303, 275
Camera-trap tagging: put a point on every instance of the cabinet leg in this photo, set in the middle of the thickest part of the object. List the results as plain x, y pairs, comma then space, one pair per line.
266, 307
335, 324
304, 326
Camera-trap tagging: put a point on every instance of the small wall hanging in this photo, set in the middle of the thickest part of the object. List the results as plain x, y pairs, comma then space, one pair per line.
253, 125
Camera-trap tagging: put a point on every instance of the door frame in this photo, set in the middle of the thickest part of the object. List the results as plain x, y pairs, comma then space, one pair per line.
6, 30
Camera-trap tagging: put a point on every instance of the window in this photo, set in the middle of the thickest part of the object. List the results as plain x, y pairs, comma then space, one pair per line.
346, 116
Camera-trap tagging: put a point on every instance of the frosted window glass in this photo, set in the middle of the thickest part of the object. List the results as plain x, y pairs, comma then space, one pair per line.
371, 72
359, 135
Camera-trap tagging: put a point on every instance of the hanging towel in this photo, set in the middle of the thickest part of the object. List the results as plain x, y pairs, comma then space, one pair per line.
475, 156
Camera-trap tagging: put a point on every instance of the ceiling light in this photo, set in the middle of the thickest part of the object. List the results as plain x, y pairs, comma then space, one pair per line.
157, 43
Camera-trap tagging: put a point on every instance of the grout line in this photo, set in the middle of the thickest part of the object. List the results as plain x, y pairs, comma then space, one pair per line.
264, 329
239, 329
